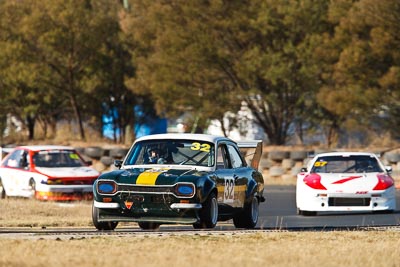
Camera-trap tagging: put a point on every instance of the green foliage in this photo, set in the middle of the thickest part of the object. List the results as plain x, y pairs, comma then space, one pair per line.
360, 64
298, 64
53, 51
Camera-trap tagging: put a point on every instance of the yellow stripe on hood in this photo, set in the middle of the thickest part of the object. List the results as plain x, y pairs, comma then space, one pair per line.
148, 177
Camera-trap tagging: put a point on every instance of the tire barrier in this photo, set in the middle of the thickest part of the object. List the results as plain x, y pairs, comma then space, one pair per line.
102, 158
278, 155
94, 152
392, 157
107, 160
118, 153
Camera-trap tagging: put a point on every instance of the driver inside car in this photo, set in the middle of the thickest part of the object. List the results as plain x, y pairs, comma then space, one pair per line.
153, 156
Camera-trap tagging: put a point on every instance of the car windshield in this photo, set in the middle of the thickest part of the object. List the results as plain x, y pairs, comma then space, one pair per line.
182, 152
57, 158
346, 164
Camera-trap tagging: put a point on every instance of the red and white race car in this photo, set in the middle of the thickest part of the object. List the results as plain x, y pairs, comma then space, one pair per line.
46, 173
345, 181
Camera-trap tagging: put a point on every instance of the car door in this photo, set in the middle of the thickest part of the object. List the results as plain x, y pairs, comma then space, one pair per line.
230, 182
240, 174
224, 174
13, 172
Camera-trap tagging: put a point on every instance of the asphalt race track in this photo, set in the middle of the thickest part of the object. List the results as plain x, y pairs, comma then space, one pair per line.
278, 213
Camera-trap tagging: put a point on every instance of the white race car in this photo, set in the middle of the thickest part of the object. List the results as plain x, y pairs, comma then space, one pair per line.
345, 181
46, 173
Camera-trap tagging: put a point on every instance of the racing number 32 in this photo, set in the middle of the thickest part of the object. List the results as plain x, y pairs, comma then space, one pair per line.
201, 147
229, 190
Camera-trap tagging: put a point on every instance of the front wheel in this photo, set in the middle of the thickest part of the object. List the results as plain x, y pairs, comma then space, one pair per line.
101, 225
2, 190
248, 217
149, 225
306, 212
208, 214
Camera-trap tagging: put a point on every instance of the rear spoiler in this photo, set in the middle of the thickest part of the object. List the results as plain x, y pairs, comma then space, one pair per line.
257, 144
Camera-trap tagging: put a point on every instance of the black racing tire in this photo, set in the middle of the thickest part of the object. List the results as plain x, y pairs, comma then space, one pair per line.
208, 214
94, 152
32, 185
149, 225
383, 211
118, 153
248, 217
107, 160
299, 211
2, 191
307, 212
101, 225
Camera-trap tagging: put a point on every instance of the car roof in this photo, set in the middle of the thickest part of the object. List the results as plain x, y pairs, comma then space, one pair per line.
346, 153
185, 136
44, 147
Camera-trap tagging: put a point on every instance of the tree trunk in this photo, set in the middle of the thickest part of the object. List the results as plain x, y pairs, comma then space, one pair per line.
78, 116
30, 120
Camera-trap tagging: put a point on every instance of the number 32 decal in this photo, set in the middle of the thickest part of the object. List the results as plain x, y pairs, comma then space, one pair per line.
229, 190
202, 147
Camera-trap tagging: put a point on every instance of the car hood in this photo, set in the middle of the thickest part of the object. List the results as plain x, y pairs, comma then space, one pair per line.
348, 182
153, 176
68, 172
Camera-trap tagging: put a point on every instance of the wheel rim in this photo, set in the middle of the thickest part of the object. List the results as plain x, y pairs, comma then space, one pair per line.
254, 210
214, 210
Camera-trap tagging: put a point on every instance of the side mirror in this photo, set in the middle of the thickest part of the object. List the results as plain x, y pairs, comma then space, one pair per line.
118, 163
303, 170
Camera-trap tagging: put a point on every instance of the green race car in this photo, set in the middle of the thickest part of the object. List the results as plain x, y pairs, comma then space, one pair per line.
193, 179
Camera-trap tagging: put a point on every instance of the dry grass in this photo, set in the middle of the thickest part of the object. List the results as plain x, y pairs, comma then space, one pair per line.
264, 249
353, 248
18, 212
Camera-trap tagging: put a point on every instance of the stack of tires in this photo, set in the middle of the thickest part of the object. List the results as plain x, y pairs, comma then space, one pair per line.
102, 158
284, 164
392, 159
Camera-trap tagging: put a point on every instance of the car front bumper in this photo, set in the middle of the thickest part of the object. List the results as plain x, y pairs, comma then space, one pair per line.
331, 201
184, 213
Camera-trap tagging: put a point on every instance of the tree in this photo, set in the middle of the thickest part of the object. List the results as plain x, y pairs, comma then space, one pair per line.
215, 54
359, 79
59, 43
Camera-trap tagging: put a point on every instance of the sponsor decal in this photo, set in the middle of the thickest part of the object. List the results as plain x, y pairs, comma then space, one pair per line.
128, 204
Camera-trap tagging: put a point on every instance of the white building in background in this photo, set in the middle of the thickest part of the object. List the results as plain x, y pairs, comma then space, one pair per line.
13, 125
245, 129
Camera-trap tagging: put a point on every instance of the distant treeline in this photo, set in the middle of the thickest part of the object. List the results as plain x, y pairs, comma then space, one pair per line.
301, 66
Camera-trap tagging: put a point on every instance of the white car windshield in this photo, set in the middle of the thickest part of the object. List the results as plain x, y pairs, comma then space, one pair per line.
181, 152
57, 159
346, 164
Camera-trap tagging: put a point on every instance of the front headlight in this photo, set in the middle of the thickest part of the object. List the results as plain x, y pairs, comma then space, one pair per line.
184, 190
106, 187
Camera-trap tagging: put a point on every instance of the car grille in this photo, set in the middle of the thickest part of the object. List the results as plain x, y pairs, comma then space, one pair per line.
146, 189
341, 201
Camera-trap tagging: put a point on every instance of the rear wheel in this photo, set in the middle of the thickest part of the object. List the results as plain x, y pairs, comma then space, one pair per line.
101, 225
2, 190
208, 214
248, 217
149, 225
383, 211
